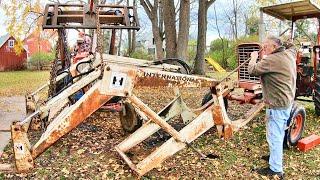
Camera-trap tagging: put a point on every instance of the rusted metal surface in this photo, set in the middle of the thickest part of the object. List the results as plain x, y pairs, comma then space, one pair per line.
216, 111
67, 16
113, 50
227, 132
21, 148
77, 113
156, 78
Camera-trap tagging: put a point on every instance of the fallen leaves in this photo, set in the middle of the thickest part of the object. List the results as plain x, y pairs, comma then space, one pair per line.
88, 151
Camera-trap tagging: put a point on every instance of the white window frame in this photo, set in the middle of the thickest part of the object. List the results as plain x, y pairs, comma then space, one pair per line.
11, 43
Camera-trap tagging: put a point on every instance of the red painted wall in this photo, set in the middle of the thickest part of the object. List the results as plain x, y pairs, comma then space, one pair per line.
9, 60
35, 44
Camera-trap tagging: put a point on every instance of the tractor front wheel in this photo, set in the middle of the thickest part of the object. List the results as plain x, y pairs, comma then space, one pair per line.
296, 125
130, 120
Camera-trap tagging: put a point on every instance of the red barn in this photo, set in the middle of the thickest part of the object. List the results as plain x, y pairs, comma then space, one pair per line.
9, 60
34, 44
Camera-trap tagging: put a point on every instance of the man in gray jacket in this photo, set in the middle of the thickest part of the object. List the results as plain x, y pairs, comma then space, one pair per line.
278, 76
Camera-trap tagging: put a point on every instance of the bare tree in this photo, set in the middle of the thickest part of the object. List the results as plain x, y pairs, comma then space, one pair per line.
235, 16
170, 28
184, 24
165, 14
224, 61
202, 30
152, 12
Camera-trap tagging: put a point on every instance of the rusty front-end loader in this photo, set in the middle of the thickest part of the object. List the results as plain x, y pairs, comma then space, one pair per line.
101, 77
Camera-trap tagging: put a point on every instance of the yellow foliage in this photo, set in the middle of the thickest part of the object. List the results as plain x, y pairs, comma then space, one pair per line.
23, 17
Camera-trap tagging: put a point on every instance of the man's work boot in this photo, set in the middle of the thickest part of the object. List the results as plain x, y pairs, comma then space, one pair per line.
268, 172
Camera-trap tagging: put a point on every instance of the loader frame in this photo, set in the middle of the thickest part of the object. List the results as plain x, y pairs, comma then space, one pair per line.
118, 76
120, 80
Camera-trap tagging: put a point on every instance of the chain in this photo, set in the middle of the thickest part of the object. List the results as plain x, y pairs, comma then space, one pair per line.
54, 66
99, 48
67, 61
53, 72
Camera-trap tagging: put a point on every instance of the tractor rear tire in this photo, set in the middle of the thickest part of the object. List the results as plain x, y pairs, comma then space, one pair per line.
130, 120
316, 96
296, 124
208, 96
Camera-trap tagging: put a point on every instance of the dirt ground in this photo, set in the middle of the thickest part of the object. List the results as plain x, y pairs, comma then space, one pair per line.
88, 151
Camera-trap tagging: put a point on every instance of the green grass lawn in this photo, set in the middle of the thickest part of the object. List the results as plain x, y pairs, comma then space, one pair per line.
20, 82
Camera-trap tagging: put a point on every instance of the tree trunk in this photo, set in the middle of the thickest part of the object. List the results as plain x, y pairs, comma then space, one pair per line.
132, 34
152, 12
184, 24
201, 40
133, 42
170, 28
235, 14
158, 41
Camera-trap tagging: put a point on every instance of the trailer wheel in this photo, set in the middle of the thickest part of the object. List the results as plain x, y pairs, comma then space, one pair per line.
316, 96
130, 120
207, 97
296, 126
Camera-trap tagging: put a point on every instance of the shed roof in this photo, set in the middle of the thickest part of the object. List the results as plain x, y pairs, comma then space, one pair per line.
294, 10
3, 39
